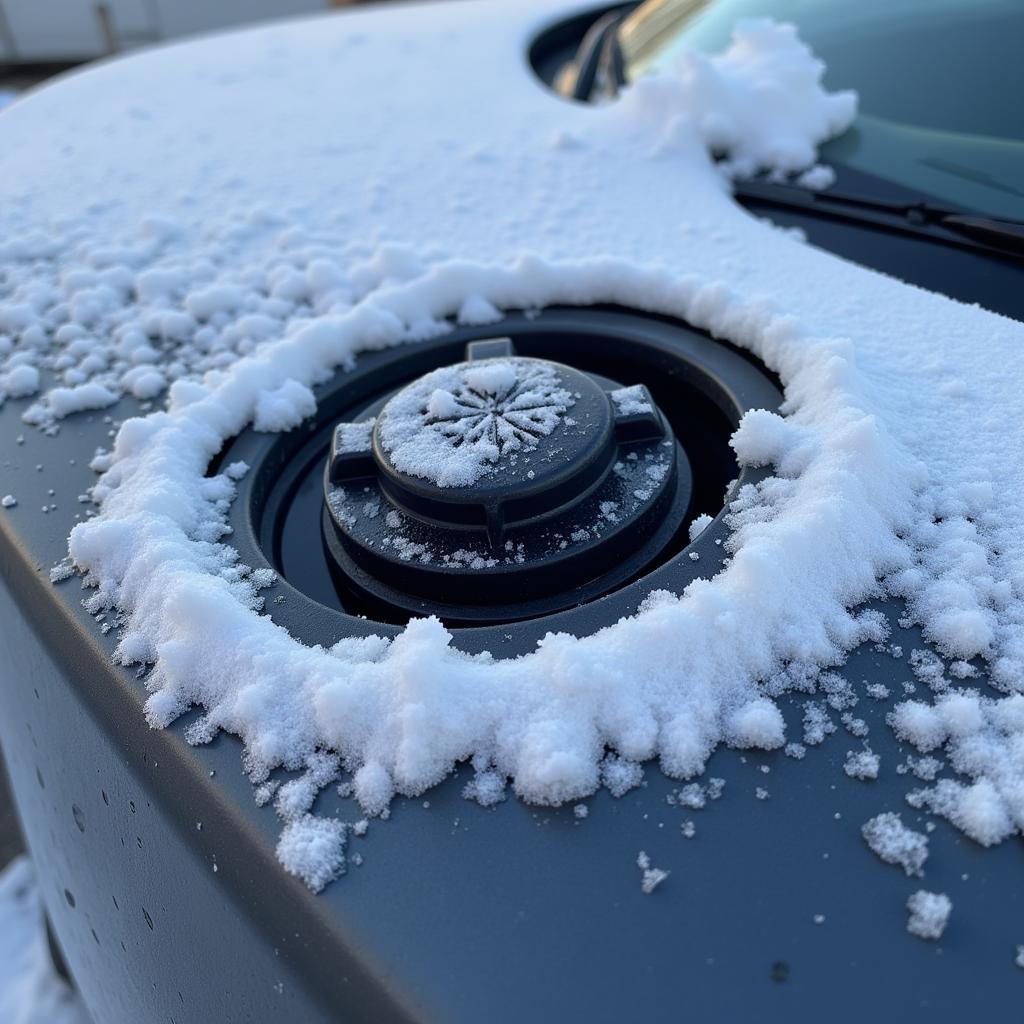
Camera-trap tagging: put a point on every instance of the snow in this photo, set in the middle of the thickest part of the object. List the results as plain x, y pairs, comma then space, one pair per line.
20, 380
453, 425
651, 877
861, 764
486, 788
313, 849
699, 525
894, 843
61, 402
929, 914
631, 401
619, 776
761, 102
264, 251
31, 992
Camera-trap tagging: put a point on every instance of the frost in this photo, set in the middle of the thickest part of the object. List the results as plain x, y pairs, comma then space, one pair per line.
631, 401
453, 425
929, 914
651, 877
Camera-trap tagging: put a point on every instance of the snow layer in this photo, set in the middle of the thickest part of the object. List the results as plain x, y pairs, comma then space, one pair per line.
454, 424
31, 992
246, 253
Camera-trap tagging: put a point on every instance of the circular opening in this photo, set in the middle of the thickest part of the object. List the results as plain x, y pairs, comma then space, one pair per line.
701, 387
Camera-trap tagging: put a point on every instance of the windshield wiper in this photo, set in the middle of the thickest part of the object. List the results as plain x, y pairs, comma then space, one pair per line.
955, 227
1005, 235
598, 62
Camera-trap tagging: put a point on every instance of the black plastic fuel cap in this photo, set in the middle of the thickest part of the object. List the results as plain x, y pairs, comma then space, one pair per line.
502, 480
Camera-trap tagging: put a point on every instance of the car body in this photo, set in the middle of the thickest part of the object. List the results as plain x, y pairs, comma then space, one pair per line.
158, 869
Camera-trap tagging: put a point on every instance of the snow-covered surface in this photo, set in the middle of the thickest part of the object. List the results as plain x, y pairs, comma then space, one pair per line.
248, 230
31, 992
458, 422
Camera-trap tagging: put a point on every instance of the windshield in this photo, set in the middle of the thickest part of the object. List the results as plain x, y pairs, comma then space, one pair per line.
941, 83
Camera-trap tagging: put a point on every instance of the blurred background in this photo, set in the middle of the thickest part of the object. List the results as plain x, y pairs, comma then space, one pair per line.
39, 38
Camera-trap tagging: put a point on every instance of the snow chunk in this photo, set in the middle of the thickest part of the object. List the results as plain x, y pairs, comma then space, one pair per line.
285, 407
313, 849
65, 401
894, 843
20, 381
760, 104
861, 764
699, 525
758, 723
979, 810
929, 914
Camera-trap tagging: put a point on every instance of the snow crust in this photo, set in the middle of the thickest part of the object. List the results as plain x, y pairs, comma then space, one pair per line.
240, 254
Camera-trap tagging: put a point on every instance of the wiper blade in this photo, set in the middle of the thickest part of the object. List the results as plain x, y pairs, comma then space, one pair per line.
916, 217
1006, 235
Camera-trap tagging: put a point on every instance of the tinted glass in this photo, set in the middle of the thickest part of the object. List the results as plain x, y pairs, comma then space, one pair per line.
941, 83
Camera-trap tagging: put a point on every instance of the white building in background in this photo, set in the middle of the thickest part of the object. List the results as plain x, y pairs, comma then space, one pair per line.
34, 31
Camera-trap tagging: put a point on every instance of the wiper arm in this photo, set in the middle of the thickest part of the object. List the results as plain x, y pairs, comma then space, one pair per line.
1005, 235
958, 227
598, 55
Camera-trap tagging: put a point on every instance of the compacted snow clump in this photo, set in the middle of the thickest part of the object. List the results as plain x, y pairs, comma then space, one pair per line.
929, 914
